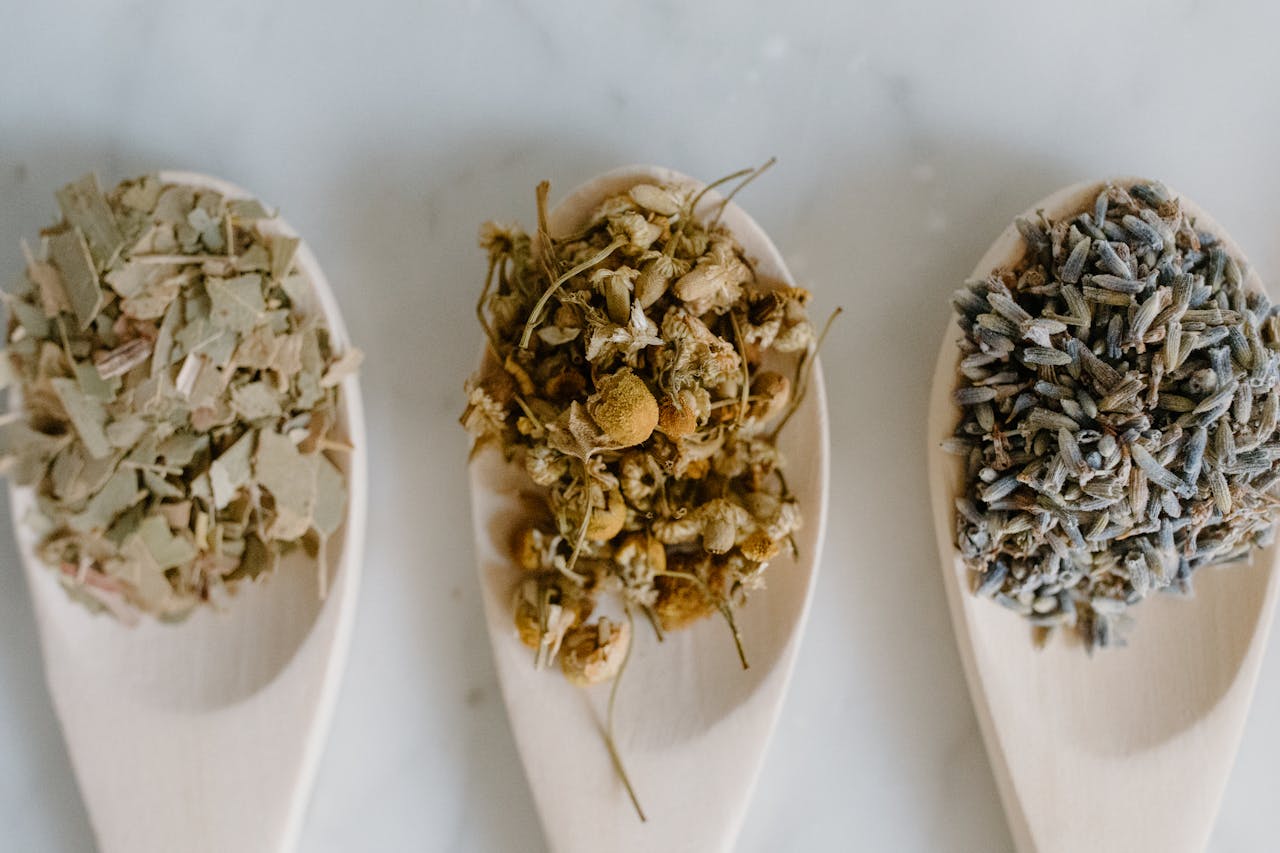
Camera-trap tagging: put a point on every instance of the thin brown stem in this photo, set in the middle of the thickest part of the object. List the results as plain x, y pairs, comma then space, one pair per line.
723, 606
724, 202
535, 316
804, 374
609, 739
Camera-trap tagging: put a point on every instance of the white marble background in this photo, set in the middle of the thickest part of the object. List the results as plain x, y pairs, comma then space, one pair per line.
908, 134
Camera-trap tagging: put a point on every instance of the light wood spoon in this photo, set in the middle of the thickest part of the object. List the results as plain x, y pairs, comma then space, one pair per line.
1127, 750
204, 736
692, 725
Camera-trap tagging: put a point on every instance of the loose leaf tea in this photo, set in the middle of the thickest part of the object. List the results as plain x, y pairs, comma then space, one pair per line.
635, 371
1120, 403
178, 408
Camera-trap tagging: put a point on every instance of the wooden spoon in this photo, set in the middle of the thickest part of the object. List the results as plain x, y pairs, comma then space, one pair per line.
1127, 750
205, 735
692, 725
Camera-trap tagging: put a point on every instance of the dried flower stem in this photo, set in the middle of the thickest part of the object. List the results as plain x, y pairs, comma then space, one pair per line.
726, 610
755, 173
746, 369
609, 740
535, 316
804, 373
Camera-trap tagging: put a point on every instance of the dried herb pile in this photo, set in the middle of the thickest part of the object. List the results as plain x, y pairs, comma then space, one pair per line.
177, 408
1120, 404
627, 373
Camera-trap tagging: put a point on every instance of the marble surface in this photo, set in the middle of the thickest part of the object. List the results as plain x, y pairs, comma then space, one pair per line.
907, 136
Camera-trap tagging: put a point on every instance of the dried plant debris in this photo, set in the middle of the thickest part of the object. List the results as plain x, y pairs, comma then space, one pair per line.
178, 406
639, 372
1119, 397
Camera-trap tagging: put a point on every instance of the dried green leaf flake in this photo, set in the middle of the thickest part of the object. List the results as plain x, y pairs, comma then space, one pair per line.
86, 209
120, 492
236, 303
143, 413
231, 471
86, 415
70, 254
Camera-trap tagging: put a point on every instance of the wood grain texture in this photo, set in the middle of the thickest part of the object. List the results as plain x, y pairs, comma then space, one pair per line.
692, 725
1127, 750
204, 736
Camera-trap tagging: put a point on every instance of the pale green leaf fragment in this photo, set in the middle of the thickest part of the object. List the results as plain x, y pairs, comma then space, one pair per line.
298, 288
290, 477
48, 284
70, 254
31, 318
206, 389
210, 228
236, 303
126, 523
309, 391
279, 320
142, 194
162, 352
181, 447
231, 471
7, 375
254, 259
283, 251
86, 415
255, 400
160, 487
174, 203
257, 559
153, 300
247, 210
92, 383
86, 208
64, 472
167, 549
312, 360
124, 432
146, 576
199, 336
120, 492
129, 279
76, 478
25, 453
257, 351
331, 498
200, 487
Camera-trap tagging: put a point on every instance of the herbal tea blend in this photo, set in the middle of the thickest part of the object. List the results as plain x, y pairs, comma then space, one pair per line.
635, 371
1120, 402
178, 409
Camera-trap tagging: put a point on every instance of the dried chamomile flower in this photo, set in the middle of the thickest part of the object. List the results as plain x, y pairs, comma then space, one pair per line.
682, 596
594, 653
624, 408
179, 402
626, 375
545, 610
1120, 394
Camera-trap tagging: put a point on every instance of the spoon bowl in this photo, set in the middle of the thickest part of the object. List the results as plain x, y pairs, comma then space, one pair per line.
692, 725
1128, 749
205, 735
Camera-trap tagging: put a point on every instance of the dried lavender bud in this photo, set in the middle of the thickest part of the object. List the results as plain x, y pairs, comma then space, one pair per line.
1131, 448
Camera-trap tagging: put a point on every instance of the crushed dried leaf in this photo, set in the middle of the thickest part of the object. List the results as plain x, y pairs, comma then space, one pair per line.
178, 403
